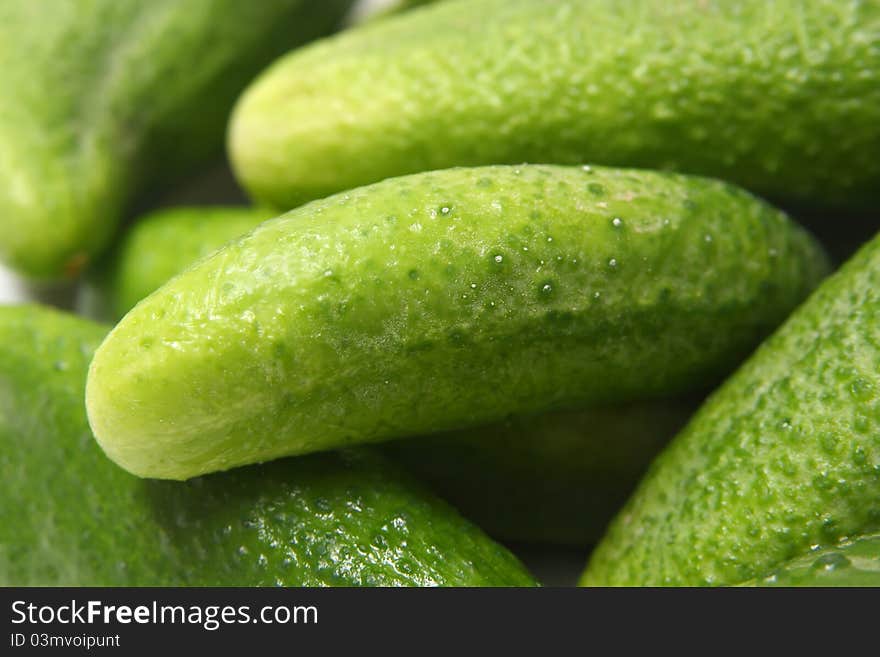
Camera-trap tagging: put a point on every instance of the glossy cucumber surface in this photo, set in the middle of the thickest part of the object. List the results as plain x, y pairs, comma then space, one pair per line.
70, 517
853, 563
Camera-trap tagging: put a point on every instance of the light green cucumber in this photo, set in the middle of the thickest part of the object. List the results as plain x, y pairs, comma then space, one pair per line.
159, 246
784, 458
71, 517
780, 97
104, 100
854, 563
554, 478
444, 300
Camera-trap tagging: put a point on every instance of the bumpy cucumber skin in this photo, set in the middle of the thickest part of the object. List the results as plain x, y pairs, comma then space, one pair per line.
854, 563
71, 517
780, 97
160, 246
444, 300
105, 98
786, 455
554, 478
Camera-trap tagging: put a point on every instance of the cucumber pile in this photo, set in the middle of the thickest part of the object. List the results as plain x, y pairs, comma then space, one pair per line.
515, 272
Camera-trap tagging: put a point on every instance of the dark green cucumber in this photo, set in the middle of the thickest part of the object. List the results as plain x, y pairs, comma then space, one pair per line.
782, 459
71, 517
780, 97
105, 100
551, 478
445, 300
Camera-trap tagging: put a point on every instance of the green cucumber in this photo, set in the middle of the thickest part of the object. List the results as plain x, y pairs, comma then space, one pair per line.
782, 98
104, 100
444, 300
783, 458
853, 563
554, 478
70, 517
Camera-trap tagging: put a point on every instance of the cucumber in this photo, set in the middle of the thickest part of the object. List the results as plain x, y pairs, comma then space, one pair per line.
440, 301
106, 100
782, 98
70, 517
552, 478
854, 563
156, 248
784, 457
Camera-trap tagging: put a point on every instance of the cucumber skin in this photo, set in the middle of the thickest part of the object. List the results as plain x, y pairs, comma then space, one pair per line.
105, 101
783, 457
385, 312
70, 517
554, 478
159, 246
782, 98
854, 563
